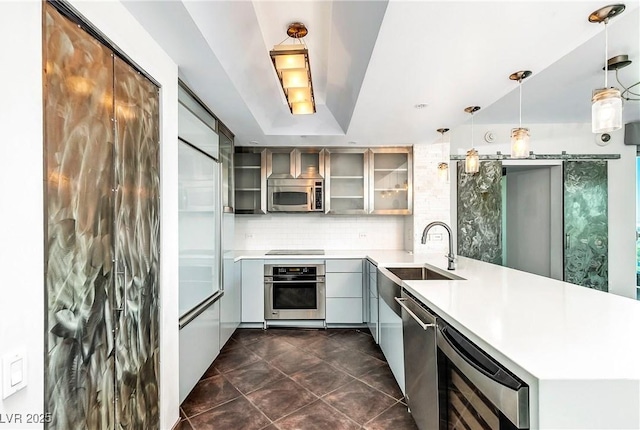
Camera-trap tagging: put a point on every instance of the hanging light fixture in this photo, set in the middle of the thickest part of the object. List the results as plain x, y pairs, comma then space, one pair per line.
606, 103
472, 161
443, 166
294, 72
520, 136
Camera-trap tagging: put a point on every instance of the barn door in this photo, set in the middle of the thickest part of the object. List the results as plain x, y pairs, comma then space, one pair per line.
480, 212
586, 224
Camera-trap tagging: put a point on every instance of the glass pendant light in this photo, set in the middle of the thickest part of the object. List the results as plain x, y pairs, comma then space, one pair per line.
472, 160
606, 103
520, 136
443, 166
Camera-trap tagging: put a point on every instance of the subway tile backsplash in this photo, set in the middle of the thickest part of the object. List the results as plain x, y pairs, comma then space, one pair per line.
305, 231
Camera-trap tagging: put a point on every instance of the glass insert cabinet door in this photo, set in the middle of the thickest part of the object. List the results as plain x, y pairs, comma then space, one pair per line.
227, 174
391, 173
346, 181
198, 219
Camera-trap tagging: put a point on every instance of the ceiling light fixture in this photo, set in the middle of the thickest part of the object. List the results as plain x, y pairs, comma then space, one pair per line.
472, 161
443, 166
294, 72
616, 63
606, 102
520, 136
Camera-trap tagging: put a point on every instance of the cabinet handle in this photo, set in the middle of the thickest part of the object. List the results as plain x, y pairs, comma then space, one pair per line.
421, 323
123, 306
294, 282
313, 199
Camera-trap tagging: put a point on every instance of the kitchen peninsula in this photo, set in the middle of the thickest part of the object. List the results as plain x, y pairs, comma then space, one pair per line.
576, 348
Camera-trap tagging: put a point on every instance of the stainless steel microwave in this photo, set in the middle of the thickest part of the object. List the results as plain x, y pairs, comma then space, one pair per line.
295, 195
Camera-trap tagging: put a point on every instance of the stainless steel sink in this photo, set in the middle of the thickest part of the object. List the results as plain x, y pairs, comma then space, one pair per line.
421, 273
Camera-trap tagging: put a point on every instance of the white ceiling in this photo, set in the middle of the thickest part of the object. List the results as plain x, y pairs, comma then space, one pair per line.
373, 61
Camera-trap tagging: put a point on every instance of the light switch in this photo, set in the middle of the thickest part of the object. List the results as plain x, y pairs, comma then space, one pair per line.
14, 372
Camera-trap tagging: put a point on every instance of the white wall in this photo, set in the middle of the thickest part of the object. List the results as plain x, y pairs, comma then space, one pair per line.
578, 139
318, 231
21, 178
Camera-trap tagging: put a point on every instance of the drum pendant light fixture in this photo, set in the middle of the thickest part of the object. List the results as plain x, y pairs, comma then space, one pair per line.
520, 136
606, 103
294, 72
472, 160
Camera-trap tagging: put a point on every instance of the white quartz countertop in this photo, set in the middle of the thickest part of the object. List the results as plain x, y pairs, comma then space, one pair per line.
551, 329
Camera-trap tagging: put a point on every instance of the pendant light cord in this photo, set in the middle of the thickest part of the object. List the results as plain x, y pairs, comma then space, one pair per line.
520, 85
472, 130
606, 48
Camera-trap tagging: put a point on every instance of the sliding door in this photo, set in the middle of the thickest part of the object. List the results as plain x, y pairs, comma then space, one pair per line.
101, 229
136, 244
480, 212
586, 224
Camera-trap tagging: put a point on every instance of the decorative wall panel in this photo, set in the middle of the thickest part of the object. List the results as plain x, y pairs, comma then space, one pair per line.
586, 223
479, 212
98, 348
78, 148
136, 243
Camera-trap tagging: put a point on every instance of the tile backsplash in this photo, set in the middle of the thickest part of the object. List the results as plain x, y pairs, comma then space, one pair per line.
308, 231
431, 197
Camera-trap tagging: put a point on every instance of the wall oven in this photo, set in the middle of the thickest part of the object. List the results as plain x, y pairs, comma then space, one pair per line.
474, 390
294, 292
295, 195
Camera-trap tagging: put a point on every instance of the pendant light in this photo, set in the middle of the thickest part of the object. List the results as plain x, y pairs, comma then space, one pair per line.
291, 62
443, 166
472, 161
606, 103
520, 136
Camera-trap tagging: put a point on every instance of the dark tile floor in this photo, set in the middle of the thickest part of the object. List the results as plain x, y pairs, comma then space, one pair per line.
290, 379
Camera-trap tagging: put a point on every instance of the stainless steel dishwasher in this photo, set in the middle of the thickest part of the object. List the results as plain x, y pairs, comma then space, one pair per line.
420, 362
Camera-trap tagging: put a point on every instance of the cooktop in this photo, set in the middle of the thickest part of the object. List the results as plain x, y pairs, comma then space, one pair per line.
296, 252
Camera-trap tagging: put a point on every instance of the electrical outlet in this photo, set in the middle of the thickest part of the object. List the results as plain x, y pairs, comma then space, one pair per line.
248, 235
362, 235
435, 237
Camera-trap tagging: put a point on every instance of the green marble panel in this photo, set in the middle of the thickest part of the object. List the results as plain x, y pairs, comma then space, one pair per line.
586, 224
480, 212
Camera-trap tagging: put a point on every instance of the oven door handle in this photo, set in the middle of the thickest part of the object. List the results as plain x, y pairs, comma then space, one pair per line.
320, 281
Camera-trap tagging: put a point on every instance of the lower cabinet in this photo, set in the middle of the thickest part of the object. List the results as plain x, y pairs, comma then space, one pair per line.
344, 291
230, 302
371, 302
199, 345
391, 341
252, 275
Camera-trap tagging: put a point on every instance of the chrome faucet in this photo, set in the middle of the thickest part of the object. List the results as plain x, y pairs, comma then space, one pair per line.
450, 256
